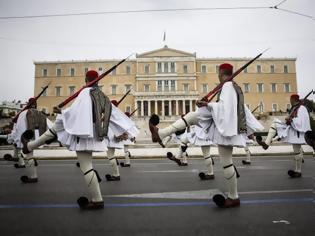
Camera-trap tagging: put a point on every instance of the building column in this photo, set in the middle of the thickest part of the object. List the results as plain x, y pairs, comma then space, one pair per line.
184, 107
156, 107
176, 105
142, 108
190, 106
136, 106
163, 108
170, 107
149, 108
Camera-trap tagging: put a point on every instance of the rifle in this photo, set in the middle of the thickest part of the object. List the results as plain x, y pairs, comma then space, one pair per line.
219, 87
69, 99
123, 97
133, 112
256, 108
30, 103
301, 102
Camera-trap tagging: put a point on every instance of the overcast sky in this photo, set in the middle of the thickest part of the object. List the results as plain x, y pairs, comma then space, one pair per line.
213, 33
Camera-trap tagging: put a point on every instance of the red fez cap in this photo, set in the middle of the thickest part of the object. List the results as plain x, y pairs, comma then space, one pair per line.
127, 113
91, 74
115, 103
226, 66
295, 96
31, 100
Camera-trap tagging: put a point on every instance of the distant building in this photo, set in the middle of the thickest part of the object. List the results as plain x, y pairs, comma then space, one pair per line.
10, 108
168, 81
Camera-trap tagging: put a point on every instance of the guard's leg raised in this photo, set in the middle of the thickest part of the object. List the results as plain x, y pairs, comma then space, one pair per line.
271, 134
159, 134
29, 146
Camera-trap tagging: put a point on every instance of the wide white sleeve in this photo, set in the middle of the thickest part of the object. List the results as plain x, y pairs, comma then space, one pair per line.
251, 122
301, 122
224, 112
78, 118
120, 123
20, 126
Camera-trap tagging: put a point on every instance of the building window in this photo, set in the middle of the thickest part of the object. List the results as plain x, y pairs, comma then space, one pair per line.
273, 87
185, 69
128, 70
172, 85
114, 88
147, 69
159, 85
146, 88
128, 87
128, 109
288, 107
159, 67
186, 87
71, 90
204, 88
165, 67
58, 89
272, 69
100, 69
246, 87
245, 70
72, 72
166, 86
285, 69
86, 69
203, 69
113, 72
274, 107
58, 72
258, 68
287, 88
260, 87
44, 72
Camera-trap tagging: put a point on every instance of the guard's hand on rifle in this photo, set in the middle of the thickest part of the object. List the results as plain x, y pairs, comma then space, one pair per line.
288, 121
57, 110
121, 137
251, 136
201, 103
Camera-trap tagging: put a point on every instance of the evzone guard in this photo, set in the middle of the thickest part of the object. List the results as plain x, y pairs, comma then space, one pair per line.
230, 118
180, 137
292, 131
33, 123
117, 138
32, 120
199, 136
83, 127
130, 141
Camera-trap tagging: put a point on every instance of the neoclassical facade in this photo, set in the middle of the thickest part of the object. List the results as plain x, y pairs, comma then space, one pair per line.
168, 82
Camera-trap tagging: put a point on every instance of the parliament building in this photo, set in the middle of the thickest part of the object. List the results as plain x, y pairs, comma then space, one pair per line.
168, 81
